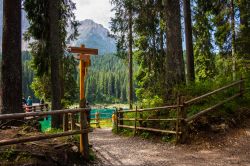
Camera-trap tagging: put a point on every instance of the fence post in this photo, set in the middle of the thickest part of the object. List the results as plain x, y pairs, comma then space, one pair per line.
47, 107
41, 107
65, 122
135, 120
117, 120
121, 116
184, 128
177, 119
141, 117
97, 118
73, 122
181, 124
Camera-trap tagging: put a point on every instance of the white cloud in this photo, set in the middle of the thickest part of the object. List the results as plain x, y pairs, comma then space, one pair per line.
97, 10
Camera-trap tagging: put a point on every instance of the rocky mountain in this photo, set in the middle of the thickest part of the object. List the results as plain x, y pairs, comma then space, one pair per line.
92, 34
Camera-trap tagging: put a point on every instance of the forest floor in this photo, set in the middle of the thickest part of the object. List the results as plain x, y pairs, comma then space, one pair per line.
49, 152
230, 147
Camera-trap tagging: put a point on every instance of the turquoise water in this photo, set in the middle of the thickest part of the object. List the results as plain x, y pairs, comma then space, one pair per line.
104, 113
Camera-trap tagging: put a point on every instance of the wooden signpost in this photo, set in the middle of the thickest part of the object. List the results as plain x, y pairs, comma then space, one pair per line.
84, 57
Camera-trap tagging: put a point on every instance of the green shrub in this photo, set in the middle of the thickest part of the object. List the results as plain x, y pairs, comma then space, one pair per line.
145, 135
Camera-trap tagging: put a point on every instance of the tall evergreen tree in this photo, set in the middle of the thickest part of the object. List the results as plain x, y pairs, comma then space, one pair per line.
149, 46
243, 40
48, 27
122, 27
233, 39
189, 41
11, 82
204, 58
56, 52
175, 65
130, 53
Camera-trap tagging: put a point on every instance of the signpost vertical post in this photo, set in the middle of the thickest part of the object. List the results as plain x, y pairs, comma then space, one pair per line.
84, 144
84, 58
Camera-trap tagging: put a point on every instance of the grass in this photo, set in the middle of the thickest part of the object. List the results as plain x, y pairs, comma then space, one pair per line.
53, 131
105, 123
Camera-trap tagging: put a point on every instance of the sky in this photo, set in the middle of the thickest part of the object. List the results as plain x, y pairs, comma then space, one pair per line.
97, 10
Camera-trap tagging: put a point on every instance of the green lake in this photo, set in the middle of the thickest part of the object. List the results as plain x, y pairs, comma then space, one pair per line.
104, 113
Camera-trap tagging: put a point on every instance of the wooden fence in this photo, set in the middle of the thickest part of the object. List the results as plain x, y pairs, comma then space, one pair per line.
83, 131
181, 120
188, 103
34, 108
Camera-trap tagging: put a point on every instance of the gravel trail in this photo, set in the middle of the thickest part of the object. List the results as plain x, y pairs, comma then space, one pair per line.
113, 149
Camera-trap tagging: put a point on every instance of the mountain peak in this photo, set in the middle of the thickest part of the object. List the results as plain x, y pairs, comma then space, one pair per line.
94, 35
90, 22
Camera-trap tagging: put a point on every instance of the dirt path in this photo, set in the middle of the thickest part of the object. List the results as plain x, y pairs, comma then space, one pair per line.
118, 150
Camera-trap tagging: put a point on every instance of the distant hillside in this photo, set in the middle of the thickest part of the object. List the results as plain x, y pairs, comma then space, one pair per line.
91, 34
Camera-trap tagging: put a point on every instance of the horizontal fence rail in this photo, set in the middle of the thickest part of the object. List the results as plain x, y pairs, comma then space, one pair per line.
28, 114
133, 119
150, 109
239, 83
212, 108
213, 92
40, 107
41, 137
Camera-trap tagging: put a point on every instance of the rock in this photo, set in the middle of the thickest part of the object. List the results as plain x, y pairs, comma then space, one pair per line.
219, 128
75, 149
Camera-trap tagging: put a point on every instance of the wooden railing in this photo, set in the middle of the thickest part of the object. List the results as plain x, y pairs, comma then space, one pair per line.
181, 120
120, 119
83, 131
186, 104
34, 108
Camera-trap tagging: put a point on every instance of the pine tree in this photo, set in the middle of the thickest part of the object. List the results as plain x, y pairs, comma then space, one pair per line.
243, 40
122, 27
175, 64
189, 41
204, 58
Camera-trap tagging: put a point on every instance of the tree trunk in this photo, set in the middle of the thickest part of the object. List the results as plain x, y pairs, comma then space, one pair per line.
55, 49
189, 41
130, 59
233, 40
11, 83
175, 73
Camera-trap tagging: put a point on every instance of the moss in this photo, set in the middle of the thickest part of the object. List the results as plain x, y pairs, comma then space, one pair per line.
8, 154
